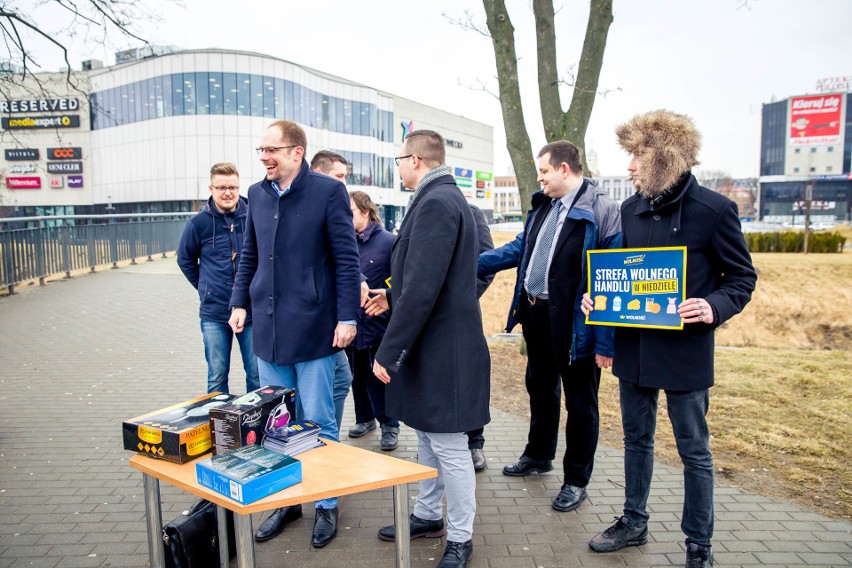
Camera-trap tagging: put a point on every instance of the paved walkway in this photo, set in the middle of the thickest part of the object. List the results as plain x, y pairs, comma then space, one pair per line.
80, 355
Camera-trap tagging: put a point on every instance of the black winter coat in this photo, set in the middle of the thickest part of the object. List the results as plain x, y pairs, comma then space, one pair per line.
434, 349
718, 269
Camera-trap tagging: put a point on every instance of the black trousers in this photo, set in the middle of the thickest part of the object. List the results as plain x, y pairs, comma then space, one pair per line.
580, 380
368, 391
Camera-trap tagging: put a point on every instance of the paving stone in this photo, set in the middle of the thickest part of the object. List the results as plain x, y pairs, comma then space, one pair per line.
99, 349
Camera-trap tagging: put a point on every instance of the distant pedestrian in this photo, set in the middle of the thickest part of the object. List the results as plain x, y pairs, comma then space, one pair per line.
208, 255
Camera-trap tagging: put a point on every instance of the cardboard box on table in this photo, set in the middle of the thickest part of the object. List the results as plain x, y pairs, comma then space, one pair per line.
242, 421
177, 433
249, 473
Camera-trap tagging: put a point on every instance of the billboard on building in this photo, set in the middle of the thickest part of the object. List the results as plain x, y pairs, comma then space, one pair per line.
816, 120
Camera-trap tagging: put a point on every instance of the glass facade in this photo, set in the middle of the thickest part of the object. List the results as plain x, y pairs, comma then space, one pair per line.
773, 139
242, 94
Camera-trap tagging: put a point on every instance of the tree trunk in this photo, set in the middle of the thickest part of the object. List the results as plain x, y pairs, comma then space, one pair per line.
517, 138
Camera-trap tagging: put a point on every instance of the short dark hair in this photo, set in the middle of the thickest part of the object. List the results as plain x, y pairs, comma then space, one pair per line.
325, 159
291, 133
365, 205
223, 169
427, 145
564, 151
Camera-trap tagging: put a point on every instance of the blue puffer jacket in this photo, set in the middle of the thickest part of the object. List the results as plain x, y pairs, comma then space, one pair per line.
602, 220
208, 255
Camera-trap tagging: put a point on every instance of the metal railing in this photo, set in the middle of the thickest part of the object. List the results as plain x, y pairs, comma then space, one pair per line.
62, 244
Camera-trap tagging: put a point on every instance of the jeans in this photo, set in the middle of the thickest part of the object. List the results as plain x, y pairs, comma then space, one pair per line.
448, 453
342, 382
218, 339
368, 392
687, 412
314, 384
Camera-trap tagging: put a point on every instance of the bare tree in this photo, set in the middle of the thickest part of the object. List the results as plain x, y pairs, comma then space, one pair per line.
558, 124
93, 21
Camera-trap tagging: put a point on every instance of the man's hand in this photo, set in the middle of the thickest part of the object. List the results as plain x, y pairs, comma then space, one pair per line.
344, 333
237, 320
603, 362
586, 306
380, 372
365, 293
378, 304
695, 310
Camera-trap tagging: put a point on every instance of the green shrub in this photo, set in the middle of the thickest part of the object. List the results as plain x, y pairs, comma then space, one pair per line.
794, 241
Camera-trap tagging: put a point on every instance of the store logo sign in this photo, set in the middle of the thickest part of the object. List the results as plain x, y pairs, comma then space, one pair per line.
65, 167
56, 182
64, 153
407, 127
75, 181
25, 182
33, 122
39, 105
22, 169
20, 154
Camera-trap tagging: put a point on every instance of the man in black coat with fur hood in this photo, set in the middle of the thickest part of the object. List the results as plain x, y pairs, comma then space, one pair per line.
671, 209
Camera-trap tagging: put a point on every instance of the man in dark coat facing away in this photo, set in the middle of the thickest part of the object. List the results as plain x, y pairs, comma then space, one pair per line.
670, 209
434, 357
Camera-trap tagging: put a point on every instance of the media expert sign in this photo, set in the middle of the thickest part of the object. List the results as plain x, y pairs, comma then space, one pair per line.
21, 154
65, 167
31, 122
23, 182
64, 153
637, 287
816, 120
39, 105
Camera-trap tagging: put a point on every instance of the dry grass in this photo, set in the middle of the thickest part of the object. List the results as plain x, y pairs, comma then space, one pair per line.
780, 411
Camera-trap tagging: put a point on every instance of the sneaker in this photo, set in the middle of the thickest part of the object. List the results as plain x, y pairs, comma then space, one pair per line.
698, 556
622, 533
361, 428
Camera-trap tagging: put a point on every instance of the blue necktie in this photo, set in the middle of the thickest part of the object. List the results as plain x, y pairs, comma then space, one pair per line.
538, 266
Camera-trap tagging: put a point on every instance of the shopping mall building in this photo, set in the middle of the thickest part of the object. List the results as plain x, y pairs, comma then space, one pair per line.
140, 136
806, 154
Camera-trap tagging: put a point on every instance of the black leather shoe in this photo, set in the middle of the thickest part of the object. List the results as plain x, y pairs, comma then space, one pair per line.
457, 554
325, 527
478, 458
698, 556
390, 438
526, 466
275, 523
417, 528
569, 498
361, 428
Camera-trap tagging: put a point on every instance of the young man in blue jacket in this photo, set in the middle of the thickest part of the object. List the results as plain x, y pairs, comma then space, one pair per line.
299, 271
568, 217
208, 255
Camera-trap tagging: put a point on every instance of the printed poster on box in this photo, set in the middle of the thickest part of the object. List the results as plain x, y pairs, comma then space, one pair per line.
637, 287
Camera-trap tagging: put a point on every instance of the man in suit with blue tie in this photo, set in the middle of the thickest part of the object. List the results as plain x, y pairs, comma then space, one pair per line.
568, 217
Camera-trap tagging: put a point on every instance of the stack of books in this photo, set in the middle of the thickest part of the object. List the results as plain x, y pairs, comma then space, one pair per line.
293, 438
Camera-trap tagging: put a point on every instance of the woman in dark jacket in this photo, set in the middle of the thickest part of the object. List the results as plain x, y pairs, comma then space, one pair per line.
368, 392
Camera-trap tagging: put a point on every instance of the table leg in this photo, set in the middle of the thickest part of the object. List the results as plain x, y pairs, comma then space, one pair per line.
222, 527
401, 524
245, 540
154, 521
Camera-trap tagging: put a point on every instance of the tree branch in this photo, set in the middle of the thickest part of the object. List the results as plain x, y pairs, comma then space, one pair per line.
548, 80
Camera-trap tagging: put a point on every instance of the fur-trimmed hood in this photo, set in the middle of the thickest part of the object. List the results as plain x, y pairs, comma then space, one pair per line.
666, 144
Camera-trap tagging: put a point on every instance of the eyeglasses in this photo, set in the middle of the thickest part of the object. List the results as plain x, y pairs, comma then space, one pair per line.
404, 157
226, 188
272, 149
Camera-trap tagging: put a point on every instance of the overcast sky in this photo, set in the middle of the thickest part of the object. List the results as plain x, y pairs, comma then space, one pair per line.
714, 60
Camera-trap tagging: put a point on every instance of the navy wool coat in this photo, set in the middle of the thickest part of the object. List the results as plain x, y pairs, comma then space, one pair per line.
299, 267
434, 349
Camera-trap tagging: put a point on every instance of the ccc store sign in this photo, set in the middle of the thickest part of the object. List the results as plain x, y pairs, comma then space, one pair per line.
64, 153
